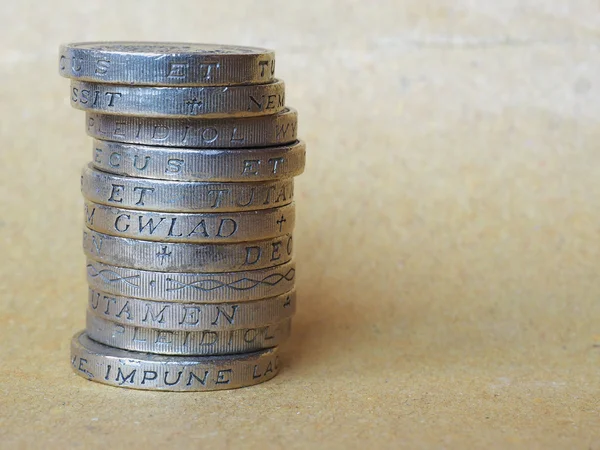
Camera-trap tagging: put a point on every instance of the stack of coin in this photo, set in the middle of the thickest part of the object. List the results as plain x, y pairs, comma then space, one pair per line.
189, 214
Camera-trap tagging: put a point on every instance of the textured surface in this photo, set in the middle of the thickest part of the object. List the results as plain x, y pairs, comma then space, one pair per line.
447, 238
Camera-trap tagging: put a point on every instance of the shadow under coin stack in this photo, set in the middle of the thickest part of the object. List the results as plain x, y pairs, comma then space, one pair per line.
189, 214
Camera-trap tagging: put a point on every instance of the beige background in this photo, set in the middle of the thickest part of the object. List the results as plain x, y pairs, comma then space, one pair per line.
448, 234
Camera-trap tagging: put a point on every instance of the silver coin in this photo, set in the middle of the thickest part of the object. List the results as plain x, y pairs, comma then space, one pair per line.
199, 343
181, 257
186, 102
190, 227
260, 131
135, 370
166, 63
191, 316
186, 164
223, 287
183, 196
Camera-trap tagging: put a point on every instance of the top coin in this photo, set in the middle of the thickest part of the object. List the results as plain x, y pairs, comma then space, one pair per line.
166, 63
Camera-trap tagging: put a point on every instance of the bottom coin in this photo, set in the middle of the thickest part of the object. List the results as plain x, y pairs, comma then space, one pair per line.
136, 370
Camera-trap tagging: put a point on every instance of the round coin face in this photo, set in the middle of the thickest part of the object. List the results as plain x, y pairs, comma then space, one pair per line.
160, 48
